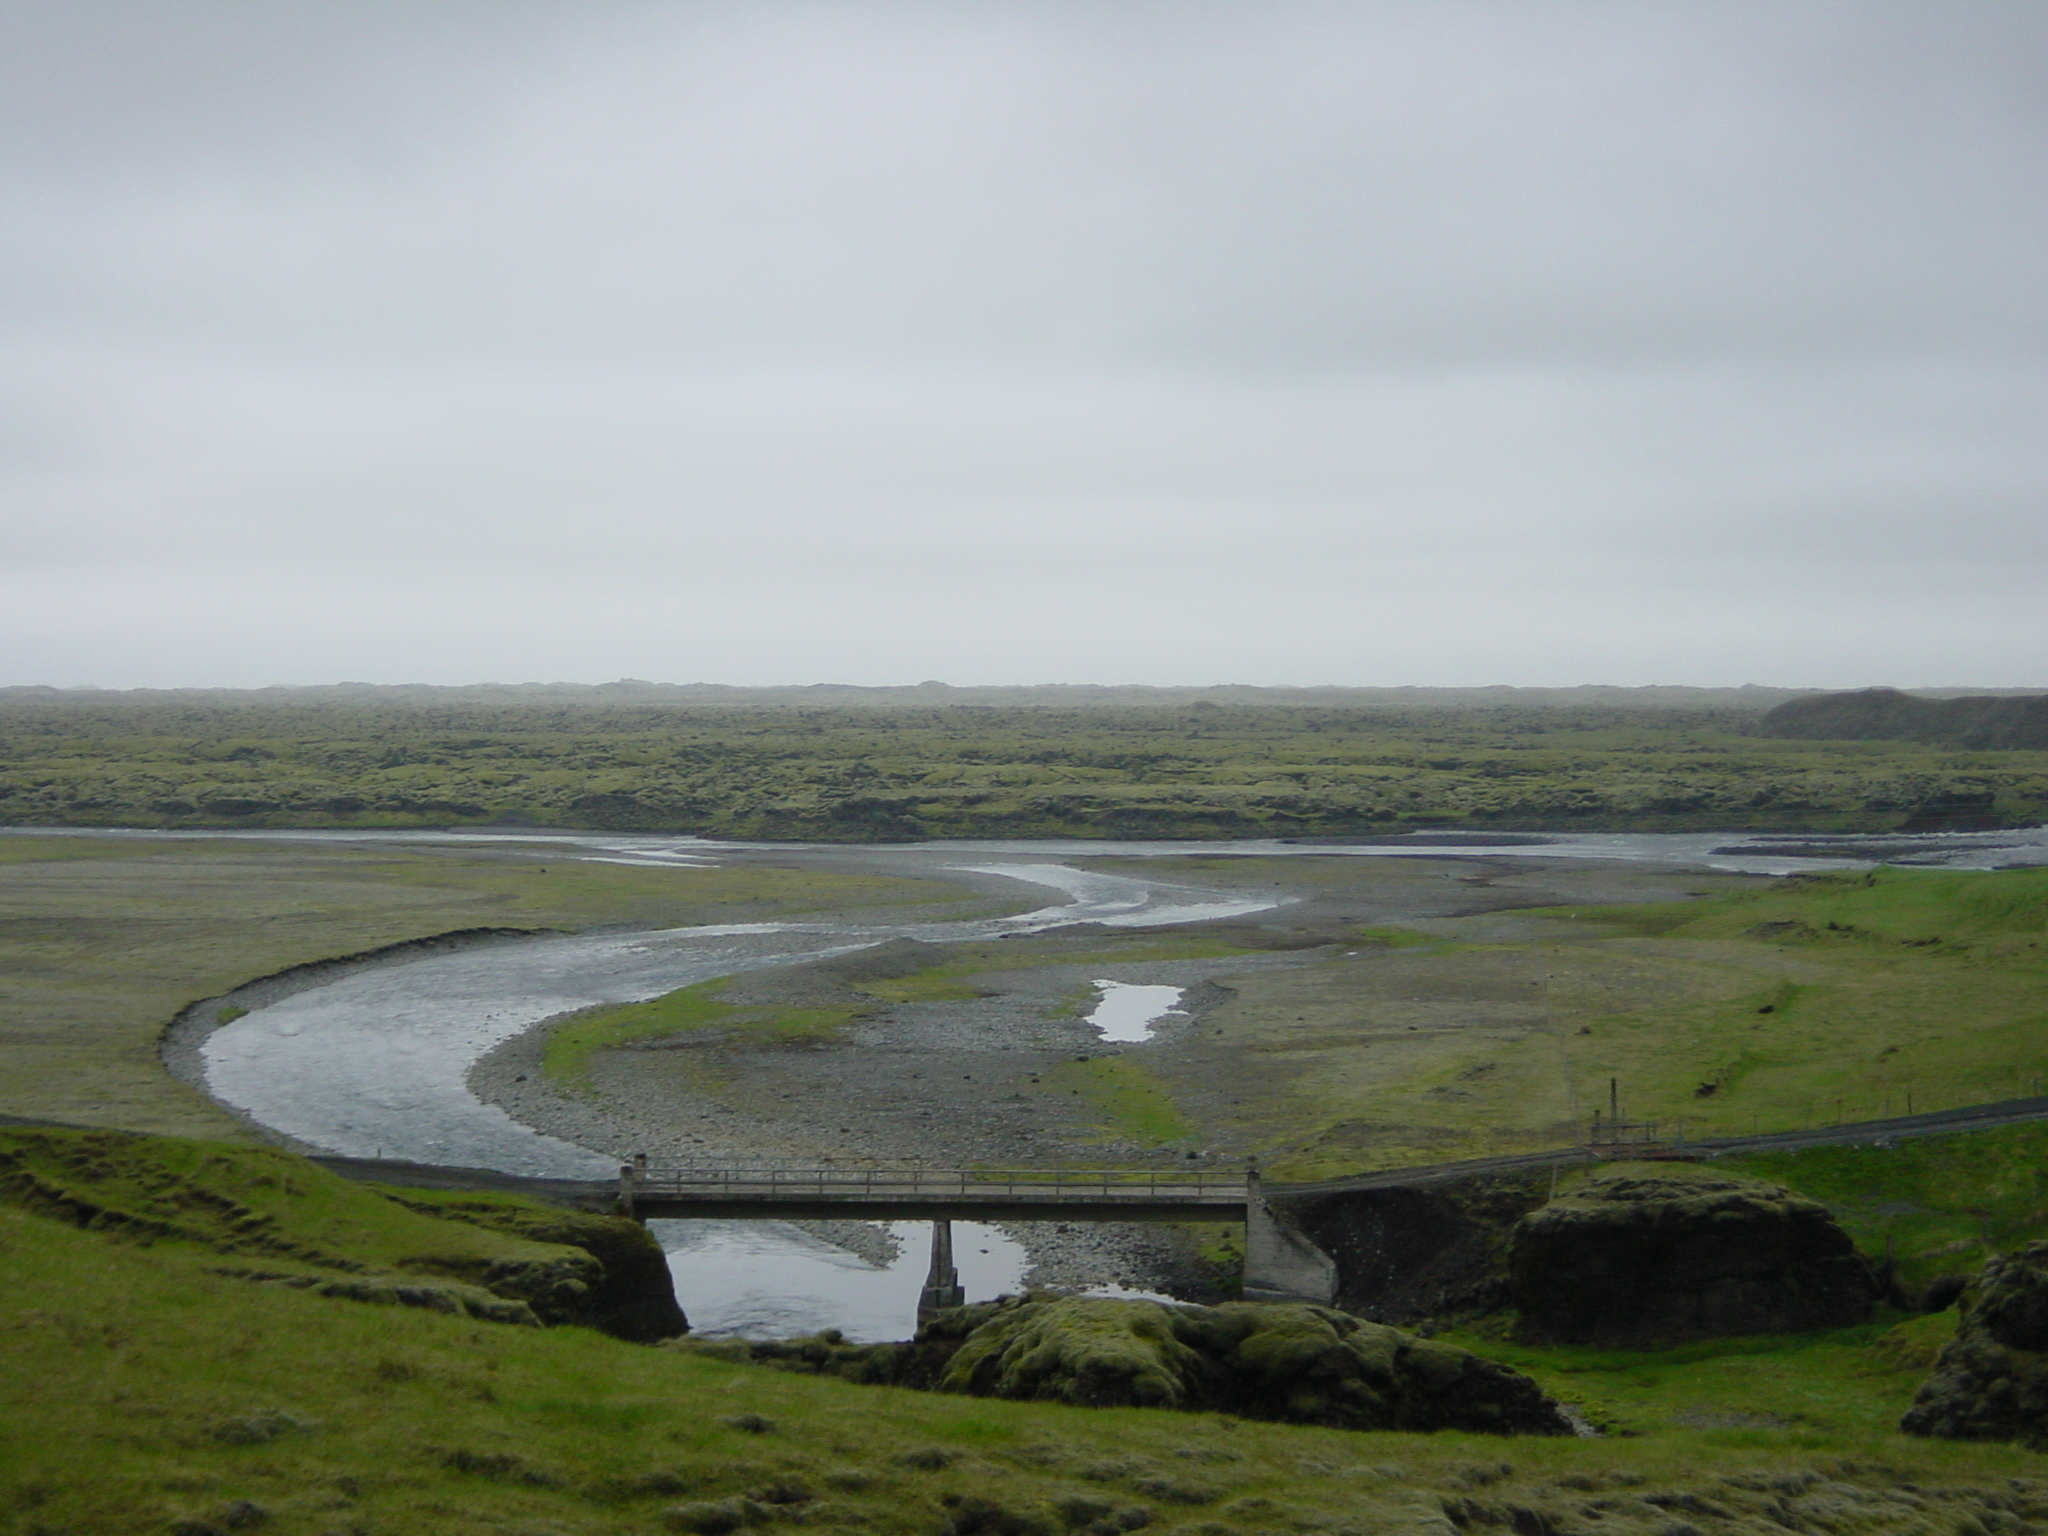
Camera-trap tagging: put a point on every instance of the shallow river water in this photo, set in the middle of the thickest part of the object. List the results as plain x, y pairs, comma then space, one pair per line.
768, 1279
373, 1064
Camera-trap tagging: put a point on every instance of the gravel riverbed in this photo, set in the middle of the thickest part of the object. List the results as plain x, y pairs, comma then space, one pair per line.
959, 1083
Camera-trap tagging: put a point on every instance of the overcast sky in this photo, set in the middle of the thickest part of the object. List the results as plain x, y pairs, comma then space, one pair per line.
1005, 341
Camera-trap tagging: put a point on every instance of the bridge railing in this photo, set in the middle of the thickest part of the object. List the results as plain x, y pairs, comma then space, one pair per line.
1022, 1183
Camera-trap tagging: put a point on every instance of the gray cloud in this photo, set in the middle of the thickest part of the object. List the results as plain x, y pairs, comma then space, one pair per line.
1284, 342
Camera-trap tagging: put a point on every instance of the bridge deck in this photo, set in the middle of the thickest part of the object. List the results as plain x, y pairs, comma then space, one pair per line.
917, 1193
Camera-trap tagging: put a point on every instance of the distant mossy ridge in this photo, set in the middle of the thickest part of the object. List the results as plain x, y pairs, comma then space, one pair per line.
1886, 714
852, 774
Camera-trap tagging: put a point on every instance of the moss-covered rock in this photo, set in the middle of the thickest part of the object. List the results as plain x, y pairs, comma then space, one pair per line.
1641, 1254
1082, 1350
1991, 1381
1312, 1365
618, 1284
1295, 1364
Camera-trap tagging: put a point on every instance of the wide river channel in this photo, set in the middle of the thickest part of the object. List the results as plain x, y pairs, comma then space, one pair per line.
373, 1064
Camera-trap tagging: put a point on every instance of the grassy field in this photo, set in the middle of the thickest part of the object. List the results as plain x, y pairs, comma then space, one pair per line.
1130, 1100
1822, 1000
195, 1400
852, 774
689, 1010
1802, 1390
103, 941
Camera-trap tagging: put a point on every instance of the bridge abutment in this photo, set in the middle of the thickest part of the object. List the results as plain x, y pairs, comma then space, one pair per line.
1281, 1263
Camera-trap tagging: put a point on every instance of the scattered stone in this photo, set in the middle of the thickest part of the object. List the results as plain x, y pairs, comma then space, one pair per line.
969, 1516
1179, 1490
241, 1515
500, 1466
660, 1484
1643, 1254
260, 1427
715, 1518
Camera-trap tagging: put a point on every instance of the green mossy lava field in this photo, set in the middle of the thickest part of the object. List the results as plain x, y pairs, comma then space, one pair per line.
201, 1336
887, 774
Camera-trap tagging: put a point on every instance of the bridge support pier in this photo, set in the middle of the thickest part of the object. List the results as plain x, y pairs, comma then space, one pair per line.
942, 1288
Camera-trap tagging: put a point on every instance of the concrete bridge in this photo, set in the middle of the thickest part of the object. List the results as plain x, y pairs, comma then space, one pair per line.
1280, 1264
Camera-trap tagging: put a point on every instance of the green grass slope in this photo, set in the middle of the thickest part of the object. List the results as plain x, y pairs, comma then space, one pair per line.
147, 1387
270, 1218
1932, 1208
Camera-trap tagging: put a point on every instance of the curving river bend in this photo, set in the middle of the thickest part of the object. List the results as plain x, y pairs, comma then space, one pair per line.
373, 1064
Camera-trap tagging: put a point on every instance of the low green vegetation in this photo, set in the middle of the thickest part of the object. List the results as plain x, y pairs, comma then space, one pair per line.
973, 770
698, 1009
941, 984
1134, 1105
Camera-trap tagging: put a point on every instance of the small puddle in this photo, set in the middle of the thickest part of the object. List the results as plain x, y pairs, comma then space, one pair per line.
770, 1280
1128, 1011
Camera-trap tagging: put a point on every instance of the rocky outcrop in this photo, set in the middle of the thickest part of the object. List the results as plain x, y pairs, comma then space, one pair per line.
1428, 1250
1642, 1254
620, 1284
1293, 1364
1991, 1381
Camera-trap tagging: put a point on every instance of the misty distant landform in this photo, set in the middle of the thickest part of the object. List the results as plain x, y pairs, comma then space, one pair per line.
632, 691
845, 764
1985, 722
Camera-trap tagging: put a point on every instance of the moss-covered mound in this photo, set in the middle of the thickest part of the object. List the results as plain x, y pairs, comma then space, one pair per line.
1294, 1364
1642, 1254
1991, 1381
278, 1219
